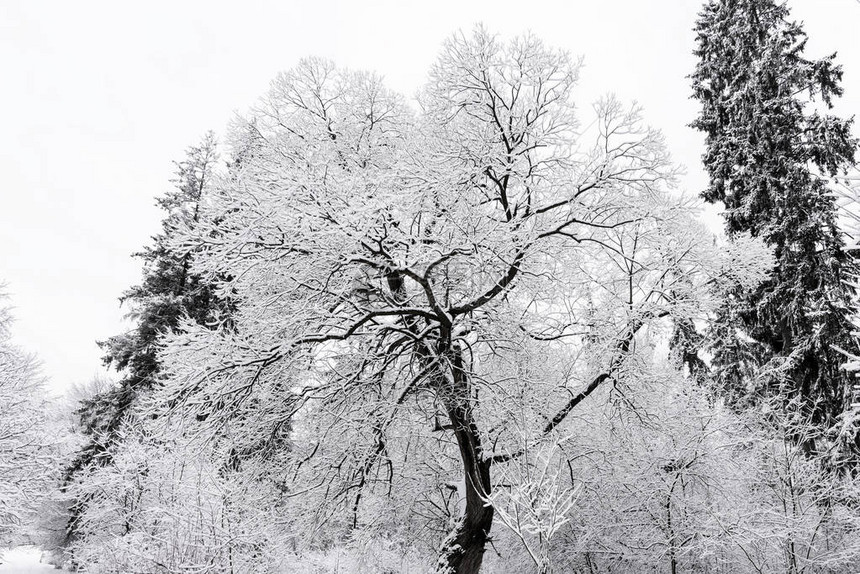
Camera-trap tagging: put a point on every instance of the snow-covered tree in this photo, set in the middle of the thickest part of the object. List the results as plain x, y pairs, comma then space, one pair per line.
672, 480
28, 446
164, 507
848, 193
167, 293
769, 141
423, 297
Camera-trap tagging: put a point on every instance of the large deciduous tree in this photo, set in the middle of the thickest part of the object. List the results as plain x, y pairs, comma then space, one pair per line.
770, 147
425, 295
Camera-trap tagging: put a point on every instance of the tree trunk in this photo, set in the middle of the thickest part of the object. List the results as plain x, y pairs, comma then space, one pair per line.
463, 551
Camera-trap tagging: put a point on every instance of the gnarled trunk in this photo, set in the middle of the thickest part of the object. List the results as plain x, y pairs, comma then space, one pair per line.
463, 551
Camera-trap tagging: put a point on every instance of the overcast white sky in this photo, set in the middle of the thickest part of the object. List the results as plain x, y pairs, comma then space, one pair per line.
99, 97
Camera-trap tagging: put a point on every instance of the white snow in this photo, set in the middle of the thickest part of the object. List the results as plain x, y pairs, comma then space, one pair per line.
25, 560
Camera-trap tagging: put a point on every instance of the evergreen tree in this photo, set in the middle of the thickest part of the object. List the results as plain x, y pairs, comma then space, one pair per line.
167, 293
771, 144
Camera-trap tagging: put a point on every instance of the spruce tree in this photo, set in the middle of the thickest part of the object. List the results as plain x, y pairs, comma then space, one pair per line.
168, 291
771, 144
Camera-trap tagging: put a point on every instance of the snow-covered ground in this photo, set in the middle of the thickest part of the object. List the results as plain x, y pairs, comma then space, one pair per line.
25, 560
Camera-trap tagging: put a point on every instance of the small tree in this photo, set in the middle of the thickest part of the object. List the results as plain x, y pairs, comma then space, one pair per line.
671, 480
534, 501
165, 507
28, 451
